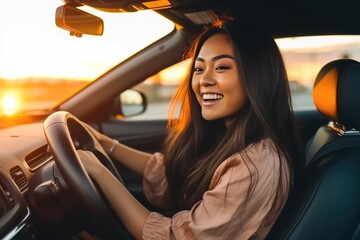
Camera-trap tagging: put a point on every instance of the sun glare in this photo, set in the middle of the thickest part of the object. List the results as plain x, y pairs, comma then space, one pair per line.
176, 74
9, 103
32, 46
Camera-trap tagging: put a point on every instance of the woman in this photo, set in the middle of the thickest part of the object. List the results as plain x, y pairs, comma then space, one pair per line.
228, 161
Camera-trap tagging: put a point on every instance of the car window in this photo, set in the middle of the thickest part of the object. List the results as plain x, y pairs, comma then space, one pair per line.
40, 64
303, 57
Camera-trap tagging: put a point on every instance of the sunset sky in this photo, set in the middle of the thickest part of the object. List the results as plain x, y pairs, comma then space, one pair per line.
31, 45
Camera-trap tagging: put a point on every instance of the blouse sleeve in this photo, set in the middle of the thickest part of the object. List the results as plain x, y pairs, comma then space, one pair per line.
222, 212
154, 181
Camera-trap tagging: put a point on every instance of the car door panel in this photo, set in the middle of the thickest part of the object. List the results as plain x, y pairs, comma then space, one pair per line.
145, 135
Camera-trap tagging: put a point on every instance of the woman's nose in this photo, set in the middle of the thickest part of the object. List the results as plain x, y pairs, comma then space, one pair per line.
207, 79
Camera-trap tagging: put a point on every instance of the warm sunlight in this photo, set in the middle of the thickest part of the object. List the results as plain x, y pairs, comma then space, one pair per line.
43, 63
304, 56
25, 51
176, 74
9, 103
316, 43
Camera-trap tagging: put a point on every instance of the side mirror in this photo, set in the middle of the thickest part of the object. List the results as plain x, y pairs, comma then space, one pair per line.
78, 22
130, 103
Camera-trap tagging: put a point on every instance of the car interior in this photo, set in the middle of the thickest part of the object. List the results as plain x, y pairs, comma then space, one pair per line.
45, 195
331, 165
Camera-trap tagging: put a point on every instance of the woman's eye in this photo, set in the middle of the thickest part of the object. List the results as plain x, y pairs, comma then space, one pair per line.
197, 69
222, 68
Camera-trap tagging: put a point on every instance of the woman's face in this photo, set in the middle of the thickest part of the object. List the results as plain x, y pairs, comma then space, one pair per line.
216, 82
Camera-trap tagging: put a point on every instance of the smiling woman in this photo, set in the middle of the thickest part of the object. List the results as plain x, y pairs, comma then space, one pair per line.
197, 160
40, 60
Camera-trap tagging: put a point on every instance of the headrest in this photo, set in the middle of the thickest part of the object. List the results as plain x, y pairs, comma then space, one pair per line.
336, 92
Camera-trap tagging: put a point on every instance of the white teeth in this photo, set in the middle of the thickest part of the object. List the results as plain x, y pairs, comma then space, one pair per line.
212, 96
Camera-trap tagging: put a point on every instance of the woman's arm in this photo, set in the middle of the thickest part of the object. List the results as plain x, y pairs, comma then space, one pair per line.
133, 159
131, 212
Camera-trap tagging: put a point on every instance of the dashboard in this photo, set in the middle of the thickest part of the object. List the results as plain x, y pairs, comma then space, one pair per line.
23, 152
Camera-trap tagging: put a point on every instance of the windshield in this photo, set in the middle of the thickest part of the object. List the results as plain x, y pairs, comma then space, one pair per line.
40, 64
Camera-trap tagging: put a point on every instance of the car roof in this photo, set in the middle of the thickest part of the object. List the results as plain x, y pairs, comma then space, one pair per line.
283, 18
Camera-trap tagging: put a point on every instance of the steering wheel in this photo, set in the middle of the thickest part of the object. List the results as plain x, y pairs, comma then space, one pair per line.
65, 134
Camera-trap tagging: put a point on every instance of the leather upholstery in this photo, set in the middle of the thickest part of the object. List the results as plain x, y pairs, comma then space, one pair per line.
327, 206
336, 92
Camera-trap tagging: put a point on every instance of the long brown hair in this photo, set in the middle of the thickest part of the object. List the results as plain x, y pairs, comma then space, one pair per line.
194, 147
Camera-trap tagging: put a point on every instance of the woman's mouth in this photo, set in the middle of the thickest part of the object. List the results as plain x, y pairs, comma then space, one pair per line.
211, 98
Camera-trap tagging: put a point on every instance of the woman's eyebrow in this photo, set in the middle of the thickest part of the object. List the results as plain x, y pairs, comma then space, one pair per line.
215, 58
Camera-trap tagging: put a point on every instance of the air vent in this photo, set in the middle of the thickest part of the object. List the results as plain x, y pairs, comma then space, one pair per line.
38, 157
19, 178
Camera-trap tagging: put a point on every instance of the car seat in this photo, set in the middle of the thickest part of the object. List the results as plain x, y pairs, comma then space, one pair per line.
328, 204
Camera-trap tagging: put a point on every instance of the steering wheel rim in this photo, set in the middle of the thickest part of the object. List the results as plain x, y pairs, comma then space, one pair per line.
101, 218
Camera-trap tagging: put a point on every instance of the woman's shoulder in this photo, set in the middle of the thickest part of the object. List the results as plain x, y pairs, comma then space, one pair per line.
265, 144
264, 149
257, 157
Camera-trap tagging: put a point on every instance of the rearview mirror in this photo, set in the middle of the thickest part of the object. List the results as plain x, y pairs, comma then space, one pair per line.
78, 22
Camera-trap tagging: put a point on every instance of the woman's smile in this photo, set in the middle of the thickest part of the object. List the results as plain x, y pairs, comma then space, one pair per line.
216, 80
211, 98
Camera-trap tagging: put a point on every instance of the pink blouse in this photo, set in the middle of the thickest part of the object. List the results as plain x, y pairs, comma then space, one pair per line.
222, 214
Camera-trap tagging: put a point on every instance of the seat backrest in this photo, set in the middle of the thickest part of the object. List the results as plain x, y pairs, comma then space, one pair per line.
328, 204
